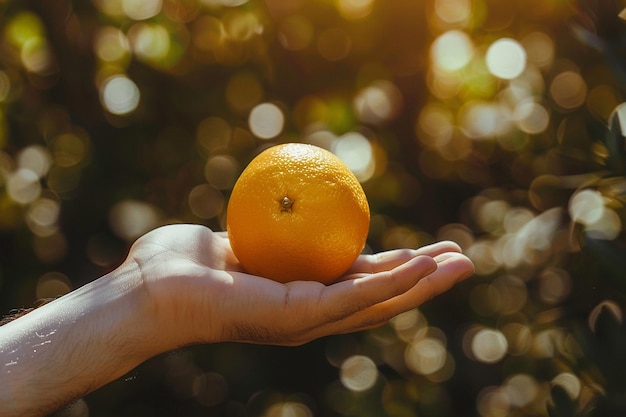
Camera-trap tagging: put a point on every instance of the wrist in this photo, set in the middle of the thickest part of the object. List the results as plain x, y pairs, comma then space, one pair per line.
76, 343
132, 314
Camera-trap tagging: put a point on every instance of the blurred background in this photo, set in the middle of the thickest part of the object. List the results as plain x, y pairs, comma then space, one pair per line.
496, 124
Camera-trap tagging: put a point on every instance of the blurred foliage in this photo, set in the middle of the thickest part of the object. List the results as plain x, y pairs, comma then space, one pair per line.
499, 125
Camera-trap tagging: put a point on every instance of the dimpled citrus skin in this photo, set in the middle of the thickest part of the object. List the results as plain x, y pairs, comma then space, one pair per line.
297, 213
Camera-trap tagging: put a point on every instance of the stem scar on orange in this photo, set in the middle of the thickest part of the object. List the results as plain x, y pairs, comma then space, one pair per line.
297, 212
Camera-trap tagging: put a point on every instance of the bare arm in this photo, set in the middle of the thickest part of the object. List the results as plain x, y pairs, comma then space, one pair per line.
182, 285
73, 345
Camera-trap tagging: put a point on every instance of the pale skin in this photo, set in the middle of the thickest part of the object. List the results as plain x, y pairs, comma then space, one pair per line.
182, 285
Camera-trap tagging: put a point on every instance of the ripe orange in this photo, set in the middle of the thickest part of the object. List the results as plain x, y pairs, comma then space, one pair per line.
297, 212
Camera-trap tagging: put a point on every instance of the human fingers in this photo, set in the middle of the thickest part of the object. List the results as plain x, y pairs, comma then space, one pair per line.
307, 308
382, 261
348, 297
451, 269
438, 248
337, 304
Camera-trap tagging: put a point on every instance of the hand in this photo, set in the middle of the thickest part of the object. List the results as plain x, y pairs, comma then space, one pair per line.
180, 285
199, 289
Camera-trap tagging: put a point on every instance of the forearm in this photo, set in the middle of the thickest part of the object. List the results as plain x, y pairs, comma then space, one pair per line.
74, 345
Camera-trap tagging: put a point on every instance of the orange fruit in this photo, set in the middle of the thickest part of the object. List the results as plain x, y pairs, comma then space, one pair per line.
297, 212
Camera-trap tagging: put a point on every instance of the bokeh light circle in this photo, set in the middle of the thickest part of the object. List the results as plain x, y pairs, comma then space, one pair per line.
52, 285
141, 9
355, 9
120, 95
569, 382
506, 58
489, 345
453, 11
587, 207
358, 373
452, 51
568, 90
266, 121
205, 201
426, 356
23, 186
356, 152
130, 219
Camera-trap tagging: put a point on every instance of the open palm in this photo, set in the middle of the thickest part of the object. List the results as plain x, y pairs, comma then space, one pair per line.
196, 284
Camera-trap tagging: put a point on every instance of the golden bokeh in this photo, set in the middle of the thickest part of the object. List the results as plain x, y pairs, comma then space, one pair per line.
497, 125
